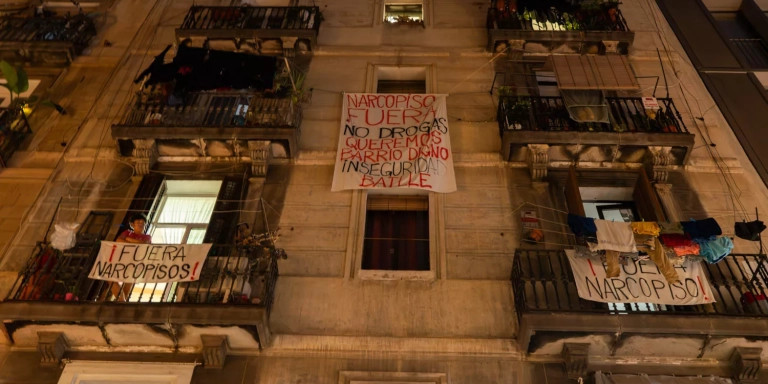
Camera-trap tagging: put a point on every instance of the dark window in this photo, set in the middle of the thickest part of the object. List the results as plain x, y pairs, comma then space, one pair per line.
401, 86
396, 233
743, 37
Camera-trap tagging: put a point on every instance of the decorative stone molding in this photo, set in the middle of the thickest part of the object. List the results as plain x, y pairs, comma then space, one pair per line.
260, 155
215, 349
668, 201
144, 155
611, 46
52, 346
746, 364
538, 161
575, 356
659, 160
289, 45
516, 45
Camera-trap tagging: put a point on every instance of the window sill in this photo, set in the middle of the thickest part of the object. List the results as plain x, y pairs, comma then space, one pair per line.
381, 274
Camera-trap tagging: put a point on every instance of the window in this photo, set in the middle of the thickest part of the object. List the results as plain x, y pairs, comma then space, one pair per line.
396, 233
112, 372
184, 210
404, 12
630, 198
743, 37
179, 212
401, 79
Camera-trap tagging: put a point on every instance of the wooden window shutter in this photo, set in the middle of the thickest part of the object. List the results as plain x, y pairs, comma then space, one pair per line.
572, 194
397, 203
226, 212
646, 201
144, 199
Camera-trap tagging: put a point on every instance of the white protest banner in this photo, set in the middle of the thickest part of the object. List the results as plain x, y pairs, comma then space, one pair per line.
149, 263
639, 282
394, 141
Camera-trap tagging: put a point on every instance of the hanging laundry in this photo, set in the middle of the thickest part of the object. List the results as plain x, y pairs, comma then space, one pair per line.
671, 227
681, 244
716, 249
645, 228
749, 231
698, 229
659, 257
615, 236
582, 226
612, 268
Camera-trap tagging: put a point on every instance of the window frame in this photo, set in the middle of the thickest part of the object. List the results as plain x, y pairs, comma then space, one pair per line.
425, 11
88, 371
409, 204
436, 242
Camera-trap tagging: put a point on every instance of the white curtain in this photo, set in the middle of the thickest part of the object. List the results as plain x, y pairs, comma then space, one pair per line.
601, 378
188, 210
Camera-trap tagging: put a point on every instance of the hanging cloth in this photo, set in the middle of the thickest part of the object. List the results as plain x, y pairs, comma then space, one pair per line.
615, 236
702, 229
749, 231
585, 106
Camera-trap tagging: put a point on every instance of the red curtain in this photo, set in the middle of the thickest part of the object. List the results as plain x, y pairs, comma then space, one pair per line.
396, 240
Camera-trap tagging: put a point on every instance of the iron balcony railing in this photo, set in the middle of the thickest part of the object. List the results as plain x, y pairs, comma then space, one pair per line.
14, 129
214, 109
604, 17
207, 18
78, 30
231, 274
545, 113
542, 281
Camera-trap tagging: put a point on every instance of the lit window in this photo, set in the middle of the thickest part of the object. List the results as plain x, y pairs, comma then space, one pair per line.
184, 211
397, 13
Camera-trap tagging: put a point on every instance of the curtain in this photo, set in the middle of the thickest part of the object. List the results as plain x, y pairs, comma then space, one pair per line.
181, 209
586, 106
396, 240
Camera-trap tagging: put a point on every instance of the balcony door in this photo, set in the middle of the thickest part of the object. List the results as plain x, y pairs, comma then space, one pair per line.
183, 211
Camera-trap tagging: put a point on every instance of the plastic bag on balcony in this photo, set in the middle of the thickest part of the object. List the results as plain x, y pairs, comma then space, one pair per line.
64, 236
586, 106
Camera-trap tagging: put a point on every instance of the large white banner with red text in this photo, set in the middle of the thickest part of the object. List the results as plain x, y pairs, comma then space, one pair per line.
149, 263
394, 141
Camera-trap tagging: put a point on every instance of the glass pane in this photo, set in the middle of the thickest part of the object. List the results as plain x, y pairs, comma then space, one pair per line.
196, 236
164, 235
179, 209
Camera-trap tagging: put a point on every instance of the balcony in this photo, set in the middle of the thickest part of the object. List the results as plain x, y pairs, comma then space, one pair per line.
233, 294
296, 26
550, 310
14, 129
210, 116
44, 41
525, 120
539, 26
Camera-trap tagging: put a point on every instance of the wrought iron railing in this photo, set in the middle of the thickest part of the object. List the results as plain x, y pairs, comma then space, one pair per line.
78, 30
606, 17
14, 129
203, 17
754, 51
542, 281
544, 113
232, 274
214, 109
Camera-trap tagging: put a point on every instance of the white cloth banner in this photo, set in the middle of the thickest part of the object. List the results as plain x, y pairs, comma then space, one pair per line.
149, 263
394, 141
639, 282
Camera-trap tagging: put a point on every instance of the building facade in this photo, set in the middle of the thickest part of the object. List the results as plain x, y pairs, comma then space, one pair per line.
207, 116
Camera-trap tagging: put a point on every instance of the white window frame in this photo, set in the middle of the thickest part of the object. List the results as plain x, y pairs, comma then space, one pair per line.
114, 372
436, 242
